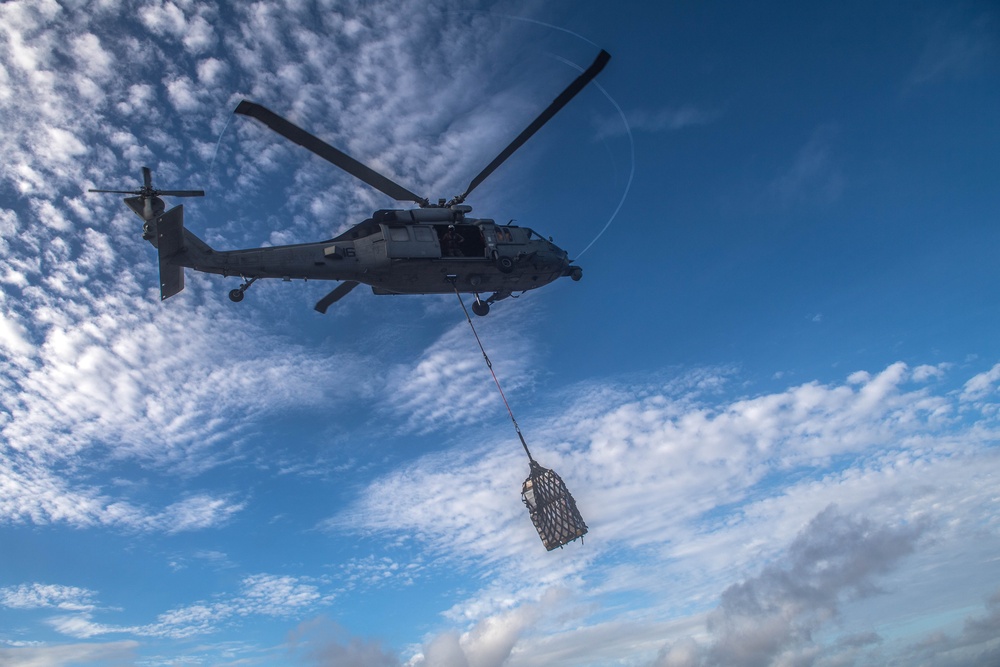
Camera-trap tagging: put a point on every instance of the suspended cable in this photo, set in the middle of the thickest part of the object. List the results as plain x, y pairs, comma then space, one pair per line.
489, 365
552, 509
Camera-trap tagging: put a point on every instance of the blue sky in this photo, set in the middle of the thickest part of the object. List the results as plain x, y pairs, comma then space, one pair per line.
774, 394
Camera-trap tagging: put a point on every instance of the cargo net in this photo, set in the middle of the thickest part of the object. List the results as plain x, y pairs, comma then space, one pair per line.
552, 508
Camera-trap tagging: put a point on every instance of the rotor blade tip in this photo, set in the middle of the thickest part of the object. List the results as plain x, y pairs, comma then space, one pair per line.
245, 107
600, 61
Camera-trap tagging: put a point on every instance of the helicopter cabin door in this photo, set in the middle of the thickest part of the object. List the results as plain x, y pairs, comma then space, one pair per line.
410, 241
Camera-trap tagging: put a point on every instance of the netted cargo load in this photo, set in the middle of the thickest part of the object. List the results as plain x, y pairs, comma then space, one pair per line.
552, 508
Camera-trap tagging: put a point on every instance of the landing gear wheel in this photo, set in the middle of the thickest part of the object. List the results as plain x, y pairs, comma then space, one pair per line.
236, 295
480, 308
505, 264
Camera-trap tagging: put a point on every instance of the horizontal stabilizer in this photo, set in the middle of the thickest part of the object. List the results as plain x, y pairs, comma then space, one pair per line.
170, 242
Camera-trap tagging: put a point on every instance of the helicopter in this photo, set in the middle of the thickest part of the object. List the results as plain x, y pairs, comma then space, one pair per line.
432, 249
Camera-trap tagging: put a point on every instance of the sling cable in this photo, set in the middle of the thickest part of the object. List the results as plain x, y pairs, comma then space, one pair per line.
550, 505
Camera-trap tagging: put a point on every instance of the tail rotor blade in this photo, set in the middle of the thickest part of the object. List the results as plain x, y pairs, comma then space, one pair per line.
147, 190
333, 155
578, 84
181, 193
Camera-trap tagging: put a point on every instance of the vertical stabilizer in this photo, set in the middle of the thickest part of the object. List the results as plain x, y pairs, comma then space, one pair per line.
170, 243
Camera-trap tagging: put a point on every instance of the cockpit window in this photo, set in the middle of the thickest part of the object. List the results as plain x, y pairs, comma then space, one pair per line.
513, 234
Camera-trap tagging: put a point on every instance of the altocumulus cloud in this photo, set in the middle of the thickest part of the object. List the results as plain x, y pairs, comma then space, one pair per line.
267, 595
888, 469
107, 388
676, 479
111, 653
91, 367
38, 596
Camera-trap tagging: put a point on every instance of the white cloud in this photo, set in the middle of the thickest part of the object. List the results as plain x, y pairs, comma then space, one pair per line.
70, 654
269, 595
955, 45
323, 642
91, 380
981, 385
260, 595
101, 383
164, 18
23, 22
926, 373
79, 626
771, 618
978, 643
97, 374
182, 95
14, 337
210, 71
31, 493
450, 384
888, 448
199, 35
102, 375
91, 55
41, 596
626, 451
490, 642
814, 174
202, 511
274, 595
378, 572
659, 120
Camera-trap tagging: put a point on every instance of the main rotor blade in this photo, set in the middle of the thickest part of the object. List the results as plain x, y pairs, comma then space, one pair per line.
118, 192
327, 152
336, 295
578, 84
147, 177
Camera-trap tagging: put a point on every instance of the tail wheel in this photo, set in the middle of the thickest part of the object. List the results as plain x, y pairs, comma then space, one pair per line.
480, 308
236, 295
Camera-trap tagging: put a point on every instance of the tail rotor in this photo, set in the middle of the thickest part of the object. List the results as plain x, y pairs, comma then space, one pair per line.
145, 201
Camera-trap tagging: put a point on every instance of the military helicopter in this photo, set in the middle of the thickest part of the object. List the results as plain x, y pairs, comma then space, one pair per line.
433, 249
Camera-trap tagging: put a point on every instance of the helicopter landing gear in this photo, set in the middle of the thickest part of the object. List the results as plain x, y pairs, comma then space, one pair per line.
237, 294
481, 308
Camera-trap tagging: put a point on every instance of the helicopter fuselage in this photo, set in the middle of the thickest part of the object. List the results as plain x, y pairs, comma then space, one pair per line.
419, 251
429, 250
